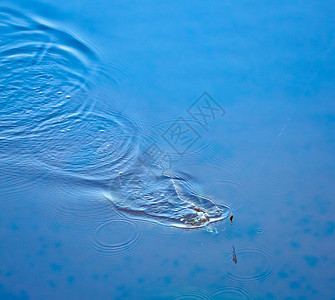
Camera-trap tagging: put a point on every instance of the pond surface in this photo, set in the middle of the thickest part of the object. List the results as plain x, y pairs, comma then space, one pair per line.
167, 150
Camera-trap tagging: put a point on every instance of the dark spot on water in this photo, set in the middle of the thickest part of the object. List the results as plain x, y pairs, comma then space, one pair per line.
52, 284
290, 198
294, 285
310, 288
125, 295
311, 260
140, 280
295, 244
121, 288
282, 274
56, 267
176, 263
331, 118
304, 221
41, 252
24, 294
14, 227
196, 270
56, 228
269, 296
117, 268
330, 228
128, 259
58, 244
165, 262
41, 239
316, 234
70, 279
5, 295
307, 230
321, 204
9, 274
167, 280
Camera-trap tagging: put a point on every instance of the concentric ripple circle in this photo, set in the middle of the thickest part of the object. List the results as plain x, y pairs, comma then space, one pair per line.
232, 293
115, 236
91, 146
46, 73
253, 264
193, 296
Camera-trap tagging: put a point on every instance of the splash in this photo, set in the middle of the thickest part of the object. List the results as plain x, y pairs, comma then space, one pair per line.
165, 198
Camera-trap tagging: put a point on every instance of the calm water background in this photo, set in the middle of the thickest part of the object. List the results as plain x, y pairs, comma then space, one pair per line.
141, 65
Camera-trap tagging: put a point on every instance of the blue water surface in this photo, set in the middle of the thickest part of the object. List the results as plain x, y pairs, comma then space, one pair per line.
167, 150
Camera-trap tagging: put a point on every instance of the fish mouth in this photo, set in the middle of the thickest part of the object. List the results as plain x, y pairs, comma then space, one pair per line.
201, 218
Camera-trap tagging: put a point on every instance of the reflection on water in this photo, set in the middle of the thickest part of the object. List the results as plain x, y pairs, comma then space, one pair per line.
47, 99
253, 265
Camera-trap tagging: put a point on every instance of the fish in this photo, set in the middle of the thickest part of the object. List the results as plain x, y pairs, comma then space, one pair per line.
169, 199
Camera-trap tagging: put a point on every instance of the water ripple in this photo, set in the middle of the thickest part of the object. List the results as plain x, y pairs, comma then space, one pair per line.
254, 264
53, 117
193, 296
164, 232
165, 198
115, 237
91, 146
232, 293
46, 73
